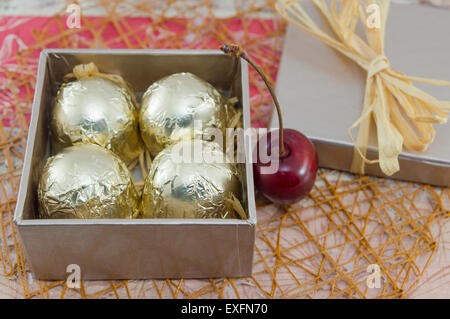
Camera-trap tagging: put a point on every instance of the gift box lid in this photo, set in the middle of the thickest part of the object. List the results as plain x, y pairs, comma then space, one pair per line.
321, 91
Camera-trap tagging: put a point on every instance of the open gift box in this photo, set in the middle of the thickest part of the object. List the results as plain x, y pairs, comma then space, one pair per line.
133, 248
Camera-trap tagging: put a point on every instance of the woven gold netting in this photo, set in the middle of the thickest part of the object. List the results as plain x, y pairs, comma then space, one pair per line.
320, 247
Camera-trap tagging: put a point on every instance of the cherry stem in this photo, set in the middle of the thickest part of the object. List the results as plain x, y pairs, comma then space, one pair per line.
236, 51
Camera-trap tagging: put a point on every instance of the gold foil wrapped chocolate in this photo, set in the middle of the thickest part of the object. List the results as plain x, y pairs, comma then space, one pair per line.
86, 181
171, 106
191, 179
96, 110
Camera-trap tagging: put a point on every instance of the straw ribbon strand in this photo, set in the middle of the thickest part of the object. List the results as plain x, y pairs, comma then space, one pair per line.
377, 65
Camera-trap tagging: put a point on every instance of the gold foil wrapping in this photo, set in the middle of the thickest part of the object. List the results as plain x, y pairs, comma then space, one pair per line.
96, 110
86, 181
171, 105
202, 185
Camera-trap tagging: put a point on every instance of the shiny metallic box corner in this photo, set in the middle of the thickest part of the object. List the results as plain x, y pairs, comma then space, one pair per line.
135, 248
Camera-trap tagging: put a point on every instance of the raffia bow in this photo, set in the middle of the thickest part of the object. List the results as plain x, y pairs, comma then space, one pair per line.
404, 115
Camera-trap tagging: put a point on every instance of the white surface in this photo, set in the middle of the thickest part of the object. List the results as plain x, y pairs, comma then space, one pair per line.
50, 7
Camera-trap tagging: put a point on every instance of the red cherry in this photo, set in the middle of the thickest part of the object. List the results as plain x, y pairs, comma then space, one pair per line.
296, 172
298, 160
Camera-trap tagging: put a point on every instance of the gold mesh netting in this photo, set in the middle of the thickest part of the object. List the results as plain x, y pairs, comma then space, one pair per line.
320, 247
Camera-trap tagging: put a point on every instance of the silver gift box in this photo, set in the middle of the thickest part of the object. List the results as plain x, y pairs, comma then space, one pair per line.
135, 248
321, 91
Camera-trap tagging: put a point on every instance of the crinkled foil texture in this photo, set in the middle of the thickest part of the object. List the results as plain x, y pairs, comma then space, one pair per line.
171, 105
86, 181
96, 110
190, 189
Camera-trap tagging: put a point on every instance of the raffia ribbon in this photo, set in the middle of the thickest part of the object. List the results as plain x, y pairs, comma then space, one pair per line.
404, 115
